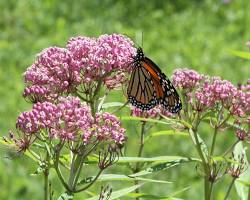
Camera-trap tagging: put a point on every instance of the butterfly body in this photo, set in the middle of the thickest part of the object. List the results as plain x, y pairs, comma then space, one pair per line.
148, 86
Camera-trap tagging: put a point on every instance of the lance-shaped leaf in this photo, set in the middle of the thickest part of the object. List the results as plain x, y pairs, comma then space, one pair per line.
163, 166
165, 197
112, 104
129, 118
166, 133
241, 54
125, 160
118, 177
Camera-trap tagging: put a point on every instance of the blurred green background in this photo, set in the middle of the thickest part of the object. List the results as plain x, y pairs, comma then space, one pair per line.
177, 33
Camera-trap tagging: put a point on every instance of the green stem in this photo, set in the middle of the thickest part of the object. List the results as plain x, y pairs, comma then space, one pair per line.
137, 167
57, 168
230, 148
46, 184
248, 193
199, 150
205, 167
229, 188
82, 162
73, 168
82, 98
142, 139
86, 187
204, 159
206, 188
211, 189
78, 172
47, 191
214, 139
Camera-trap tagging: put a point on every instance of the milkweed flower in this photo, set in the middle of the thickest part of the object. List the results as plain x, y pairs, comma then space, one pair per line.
96, 58
204, 92
186, 78
42, 115
38, 93
71, 120
152, 113
60, 71
107, 127
53, 73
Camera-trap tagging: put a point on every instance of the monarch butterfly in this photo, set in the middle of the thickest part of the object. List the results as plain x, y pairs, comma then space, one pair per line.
148, 86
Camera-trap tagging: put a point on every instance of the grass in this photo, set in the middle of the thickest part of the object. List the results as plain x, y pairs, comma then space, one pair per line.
194, 34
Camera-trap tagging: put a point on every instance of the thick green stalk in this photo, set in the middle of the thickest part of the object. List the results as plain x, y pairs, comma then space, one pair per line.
46, 184
83, 156
73, 169
137, 167
46, 177
206, 188
205, 167
204, 159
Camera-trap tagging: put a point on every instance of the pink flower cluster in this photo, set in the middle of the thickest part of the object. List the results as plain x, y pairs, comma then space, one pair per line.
97, 57
42, 115
38, 93
107, 127
60, 70
186, 78
152, 113
204, 92
73, 119
70, 120
53, 73
115, 81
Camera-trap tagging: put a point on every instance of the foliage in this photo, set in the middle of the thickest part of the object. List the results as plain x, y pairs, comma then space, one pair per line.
180, 33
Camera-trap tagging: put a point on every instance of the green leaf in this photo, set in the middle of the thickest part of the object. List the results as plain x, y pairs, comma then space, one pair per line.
65, 196
224, 159
242, 190
245, 183
165, 197
129, 118
163, 166
112, 104
166, 133
150, 196
241, 54
118, 177
119, 193
124, 160
175, 121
